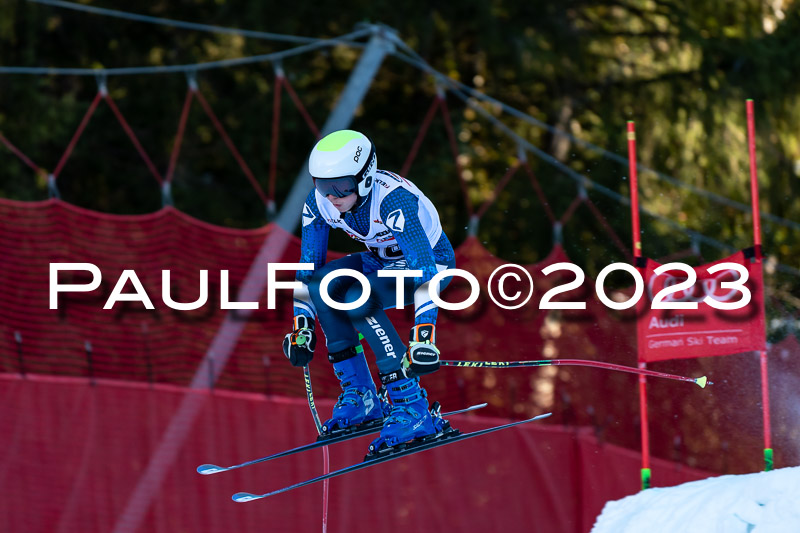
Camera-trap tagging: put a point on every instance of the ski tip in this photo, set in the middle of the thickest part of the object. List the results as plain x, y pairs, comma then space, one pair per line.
702, 381
545, 415
241, 497
209, 469
478, 406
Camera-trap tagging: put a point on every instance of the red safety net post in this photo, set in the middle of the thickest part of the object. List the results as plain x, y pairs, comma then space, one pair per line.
567, 215
692, 251
77, 135
131, 135
17, 152
571, 208
581, 198
423, 130
498, 189
441, 103
751, 144
176, 147
281, 82
231, 147
102, 94
637, 253
603, 222
300, 107
537, 187
522, 162
448, 124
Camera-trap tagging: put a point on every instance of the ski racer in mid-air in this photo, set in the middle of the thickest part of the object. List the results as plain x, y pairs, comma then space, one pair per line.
401, 230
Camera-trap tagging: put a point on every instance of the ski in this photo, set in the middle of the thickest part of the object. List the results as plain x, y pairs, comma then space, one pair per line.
383, 457
322, 440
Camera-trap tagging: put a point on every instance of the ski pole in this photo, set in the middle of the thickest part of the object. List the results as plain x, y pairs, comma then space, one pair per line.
702, 380
310, 396
325, 457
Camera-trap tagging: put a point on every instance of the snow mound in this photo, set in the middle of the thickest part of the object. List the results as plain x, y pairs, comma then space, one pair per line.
766, 502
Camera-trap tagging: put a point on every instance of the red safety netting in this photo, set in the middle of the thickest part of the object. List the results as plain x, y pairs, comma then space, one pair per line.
72, 453
129, 342
163, 345
715, 428
192, 93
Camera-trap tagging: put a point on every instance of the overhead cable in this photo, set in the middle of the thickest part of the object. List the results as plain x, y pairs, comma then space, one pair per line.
194, 67
417, 61
178, 23
582, 180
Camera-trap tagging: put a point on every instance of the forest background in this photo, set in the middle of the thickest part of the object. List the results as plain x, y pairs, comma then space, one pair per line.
680, 69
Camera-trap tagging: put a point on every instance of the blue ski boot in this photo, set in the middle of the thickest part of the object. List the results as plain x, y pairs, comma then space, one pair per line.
410, 418
359, 403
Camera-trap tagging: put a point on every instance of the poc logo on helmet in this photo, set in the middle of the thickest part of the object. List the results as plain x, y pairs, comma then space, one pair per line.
358, 154
369, 165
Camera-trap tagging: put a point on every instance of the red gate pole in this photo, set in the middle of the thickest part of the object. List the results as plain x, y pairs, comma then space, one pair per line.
637, 253
751, 144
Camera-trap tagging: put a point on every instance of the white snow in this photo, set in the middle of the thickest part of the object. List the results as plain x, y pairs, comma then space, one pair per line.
766, 502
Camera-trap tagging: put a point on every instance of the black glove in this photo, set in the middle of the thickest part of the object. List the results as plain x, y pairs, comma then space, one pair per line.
299, 345
422, 356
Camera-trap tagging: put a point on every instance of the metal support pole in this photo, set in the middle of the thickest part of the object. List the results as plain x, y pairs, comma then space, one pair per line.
558, 233
52, 188
472, 228
18, 340
380, 44
352, 95
147, 357
88, 347
166, 194
211, 376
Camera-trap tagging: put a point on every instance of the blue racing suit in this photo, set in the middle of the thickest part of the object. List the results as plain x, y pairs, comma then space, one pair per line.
401, 230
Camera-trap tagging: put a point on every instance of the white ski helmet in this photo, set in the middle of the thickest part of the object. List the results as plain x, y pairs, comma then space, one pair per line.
343, 163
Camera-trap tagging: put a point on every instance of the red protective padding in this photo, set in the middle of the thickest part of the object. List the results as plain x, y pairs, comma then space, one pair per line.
685, 334
71, 454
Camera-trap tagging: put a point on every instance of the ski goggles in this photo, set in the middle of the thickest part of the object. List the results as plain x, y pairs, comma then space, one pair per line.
338, 187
